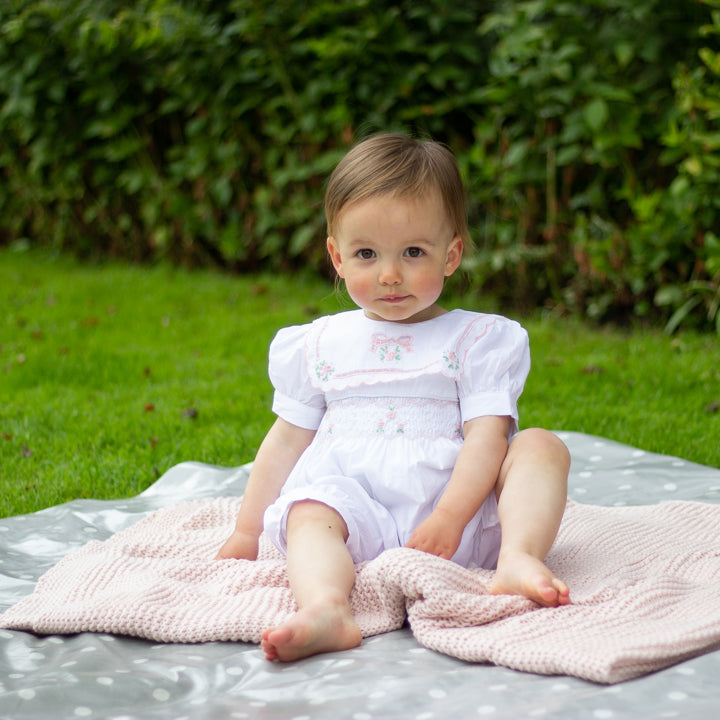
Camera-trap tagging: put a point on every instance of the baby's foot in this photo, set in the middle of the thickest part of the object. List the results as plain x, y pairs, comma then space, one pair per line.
314, 629
519, 573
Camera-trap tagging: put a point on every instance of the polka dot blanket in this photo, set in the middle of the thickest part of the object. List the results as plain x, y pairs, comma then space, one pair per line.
644, 583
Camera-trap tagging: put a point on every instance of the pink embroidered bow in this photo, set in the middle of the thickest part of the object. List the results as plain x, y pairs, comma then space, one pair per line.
379, 340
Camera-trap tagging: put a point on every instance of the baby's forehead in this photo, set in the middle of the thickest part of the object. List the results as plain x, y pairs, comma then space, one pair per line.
428, 197
418, 215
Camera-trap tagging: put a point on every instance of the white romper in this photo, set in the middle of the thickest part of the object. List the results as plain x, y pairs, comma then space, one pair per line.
389, 401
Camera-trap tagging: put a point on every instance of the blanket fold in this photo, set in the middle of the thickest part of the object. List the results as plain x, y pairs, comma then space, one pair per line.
645, 590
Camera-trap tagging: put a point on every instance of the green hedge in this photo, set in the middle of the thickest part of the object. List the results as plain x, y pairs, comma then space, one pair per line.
203, 132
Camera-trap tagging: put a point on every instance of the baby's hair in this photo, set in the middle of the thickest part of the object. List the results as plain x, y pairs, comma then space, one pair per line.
399, 166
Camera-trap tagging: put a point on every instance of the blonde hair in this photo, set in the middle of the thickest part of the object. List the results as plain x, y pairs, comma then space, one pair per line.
399, 166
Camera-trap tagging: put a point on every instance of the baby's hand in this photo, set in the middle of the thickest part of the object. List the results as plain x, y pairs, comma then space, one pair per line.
438, 535
239, 545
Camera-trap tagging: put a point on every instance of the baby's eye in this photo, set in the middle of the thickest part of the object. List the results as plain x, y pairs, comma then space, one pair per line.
414, 252
366, 254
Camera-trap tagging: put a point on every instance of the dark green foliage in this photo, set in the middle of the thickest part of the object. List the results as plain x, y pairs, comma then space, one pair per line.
203, 132
581, 94
207, 129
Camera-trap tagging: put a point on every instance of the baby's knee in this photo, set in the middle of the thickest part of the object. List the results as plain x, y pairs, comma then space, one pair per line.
303, 512
544, 445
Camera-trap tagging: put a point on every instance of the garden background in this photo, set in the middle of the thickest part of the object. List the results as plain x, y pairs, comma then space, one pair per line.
194, 138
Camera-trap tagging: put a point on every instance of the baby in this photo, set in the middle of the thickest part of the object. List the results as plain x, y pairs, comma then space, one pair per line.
397, 422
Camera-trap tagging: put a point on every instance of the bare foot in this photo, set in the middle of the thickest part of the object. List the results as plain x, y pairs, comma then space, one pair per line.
314, 629
519, 573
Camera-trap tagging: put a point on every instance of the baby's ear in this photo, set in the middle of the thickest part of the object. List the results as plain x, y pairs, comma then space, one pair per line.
335, 257
454, 255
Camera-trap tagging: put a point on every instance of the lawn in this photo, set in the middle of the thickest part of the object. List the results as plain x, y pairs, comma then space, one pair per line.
111, 374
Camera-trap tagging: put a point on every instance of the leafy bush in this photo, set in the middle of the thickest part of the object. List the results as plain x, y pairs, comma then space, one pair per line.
202, 131
667, 253
686, 214
206, 129
579, 98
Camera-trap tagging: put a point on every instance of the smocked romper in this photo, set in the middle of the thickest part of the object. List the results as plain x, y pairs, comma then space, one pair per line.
389, 401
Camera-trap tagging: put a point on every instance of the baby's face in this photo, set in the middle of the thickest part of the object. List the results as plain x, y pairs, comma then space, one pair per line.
394, 254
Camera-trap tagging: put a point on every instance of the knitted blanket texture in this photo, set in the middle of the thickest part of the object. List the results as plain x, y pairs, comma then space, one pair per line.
644, 581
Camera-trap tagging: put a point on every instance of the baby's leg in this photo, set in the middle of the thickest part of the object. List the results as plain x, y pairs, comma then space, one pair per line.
321, 574
531, 490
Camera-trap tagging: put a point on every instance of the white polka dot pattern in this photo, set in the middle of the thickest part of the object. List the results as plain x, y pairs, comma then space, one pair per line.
387, 676
643, 583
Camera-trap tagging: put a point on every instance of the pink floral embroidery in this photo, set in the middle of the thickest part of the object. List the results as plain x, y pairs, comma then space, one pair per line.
391, 419
324, 370
390, 347
451, 360
390, 415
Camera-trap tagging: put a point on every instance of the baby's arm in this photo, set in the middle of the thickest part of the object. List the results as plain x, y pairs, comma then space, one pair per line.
276, 457
473, 478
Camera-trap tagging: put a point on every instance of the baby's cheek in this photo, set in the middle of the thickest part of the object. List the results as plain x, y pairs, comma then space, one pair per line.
360, 289
431, 284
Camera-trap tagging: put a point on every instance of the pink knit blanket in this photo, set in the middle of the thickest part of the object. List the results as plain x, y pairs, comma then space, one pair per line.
645, 589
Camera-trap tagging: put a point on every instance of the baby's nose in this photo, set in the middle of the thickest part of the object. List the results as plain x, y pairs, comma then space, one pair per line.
390, 274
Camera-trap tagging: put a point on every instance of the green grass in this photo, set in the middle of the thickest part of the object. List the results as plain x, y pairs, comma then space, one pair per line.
110, 375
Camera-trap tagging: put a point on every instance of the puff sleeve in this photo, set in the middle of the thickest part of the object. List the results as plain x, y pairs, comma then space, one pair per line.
295, 399
494, 364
